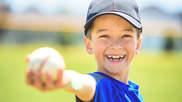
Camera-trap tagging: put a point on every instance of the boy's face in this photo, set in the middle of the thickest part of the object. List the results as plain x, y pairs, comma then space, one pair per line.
113, 42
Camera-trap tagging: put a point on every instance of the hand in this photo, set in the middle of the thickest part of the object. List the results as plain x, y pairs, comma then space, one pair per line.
35, 79
46, 69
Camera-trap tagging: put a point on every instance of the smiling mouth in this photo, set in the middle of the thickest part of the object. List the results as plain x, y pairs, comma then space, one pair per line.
115, 59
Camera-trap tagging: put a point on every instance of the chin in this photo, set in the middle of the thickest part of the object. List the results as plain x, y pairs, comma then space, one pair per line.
115, 70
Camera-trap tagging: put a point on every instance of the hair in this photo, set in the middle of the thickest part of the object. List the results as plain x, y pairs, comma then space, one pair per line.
90, 26
88, 30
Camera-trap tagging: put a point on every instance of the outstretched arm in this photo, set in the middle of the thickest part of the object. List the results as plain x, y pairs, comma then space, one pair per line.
82, 85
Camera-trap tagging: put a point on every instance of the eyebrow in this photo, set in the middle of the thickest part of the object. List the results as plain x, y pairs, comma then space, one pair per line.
129, 29
102, 30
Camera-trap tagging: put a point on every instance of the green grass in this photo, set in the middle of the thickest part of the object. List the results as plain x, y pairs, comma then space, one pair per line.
159, 75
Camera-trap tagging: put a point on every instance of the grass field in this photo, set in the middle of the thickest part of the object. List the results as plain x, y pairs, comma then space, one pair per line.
159, 75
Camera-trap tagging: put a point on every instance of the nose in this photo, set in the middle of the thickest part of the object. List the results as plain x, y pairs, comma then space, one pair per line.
116, 44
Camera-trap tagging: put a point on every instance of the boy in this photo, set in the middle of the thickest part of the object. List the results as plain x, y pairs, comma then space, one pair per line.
113, 35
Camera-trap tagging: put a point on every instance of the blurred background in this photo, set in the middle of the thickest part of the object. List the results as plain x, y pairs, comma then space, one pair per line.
26, 25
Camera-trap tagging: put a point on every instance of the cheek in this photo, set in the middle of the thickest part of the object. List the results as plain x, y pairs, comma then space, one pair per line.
99, 48
131, 47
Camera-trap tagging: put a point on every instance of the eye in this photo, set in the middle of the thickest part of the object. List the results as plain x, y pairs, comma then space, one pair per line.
127, 36
104, 36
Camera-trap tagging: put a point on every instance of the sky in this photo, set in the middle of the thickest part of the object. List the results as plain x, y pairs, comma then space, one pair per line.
79, 7
167, 5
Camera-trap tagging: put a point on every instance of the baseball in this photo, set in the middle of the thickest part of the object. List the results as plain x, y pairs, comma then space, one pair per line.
48, 60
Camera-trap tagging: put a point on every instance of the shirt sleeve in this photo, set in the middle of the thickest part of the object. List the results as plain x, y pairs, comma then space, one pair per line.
97, 78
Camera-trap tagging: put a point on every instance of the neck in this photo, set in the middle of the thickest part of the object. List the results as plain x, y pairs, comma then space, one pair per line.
121, 76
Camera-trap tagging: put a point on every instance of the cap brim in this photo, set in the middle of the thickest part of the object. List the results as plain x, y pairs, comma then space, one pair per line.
130, 19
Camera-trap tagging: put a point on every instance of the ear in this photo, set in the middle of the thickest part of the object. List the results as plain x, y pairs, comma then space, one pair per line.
88, 45
139, 44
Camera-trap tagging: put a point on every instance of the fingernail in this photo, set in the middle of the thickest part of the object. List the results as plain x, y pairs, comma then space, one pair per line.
28, 58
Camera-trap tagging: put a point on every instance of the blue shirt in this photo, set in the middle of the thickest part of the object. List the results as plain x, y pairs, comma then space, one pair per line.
109, 89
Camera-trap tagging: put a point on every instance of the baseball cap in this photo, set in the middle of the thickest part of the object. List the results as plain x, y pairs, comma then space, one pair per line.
127, 9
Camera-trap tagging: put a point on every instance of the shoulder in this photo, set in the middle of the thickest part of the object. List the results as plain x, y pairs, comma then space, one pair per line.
105, 87
102, 81
99, 77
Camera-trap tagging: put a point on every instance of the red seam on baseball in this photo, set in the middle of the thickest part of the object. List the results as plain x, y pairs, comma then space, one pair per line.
43, 63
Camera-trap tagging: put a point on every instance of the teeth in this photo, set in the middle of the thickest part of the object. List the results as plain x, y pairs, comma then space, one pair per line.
121, 56
116, 57
110, 56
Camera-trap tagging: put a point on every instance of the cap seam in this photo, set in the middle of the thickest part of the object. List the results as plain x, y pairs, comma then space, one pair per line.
127, 14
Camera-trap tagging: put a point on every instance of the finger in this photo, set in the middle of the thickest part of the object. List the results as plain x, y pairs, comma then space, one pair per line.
39, 71
49, 82
38, 82
59, 81
41, 86
29, 77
